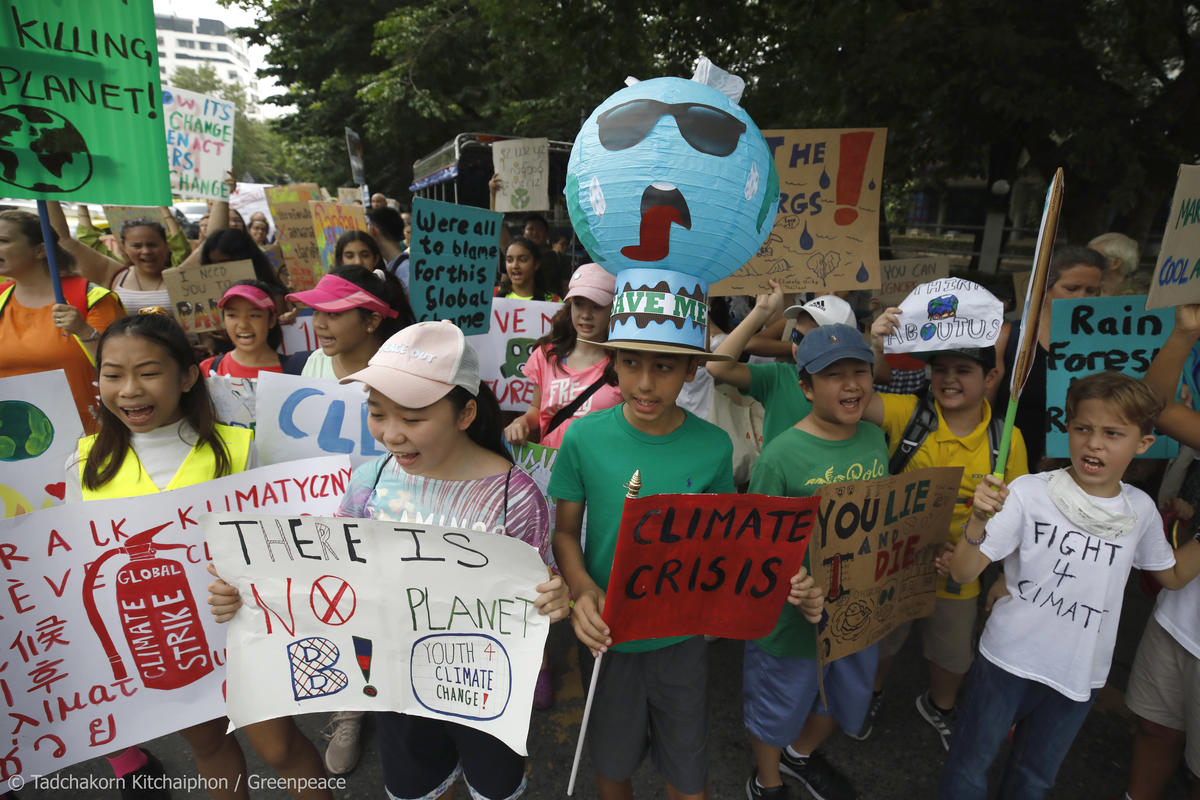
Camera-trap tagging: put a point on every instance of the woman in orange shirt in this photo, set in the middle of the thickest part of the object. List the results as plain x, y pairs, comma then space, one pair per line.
38, 334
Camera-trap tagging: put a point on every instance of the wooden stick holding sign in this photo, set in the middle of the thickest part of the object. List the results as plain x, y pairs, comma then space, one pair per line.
632, 489
1035, 298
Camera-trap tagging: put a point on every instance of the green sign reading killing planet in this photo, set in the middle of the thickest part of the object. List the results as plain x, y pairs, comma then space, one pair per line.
80, 102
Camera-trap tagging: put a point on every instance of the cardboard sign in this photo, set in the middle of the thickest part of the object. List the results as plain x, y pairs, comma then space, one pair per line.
455, 254
1097, 334
524, 169
297, 417
504, 349
39, 428
274, 255
299, 336
717, 564
292, 193
420, 619
946, 313
350, 195
196, 290
118, 216
826, 235
199, 143
249, 198
297, 243
330, 221
233, 399
1176, 278
82, 116
873, 553
901, 276
117, 640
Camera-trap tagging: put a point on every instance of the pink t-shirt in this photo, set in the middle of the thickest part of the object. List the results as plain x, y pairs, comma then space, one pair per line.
560, 385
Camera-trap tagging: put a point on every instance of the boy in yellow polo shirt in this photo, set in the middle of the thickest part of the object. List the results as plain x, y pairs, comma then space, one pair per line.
956, 435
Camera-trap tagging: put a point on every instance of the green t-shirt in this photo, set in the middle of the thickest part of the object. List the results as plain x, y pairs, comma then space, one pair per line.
599, 453
796, 464
777, 387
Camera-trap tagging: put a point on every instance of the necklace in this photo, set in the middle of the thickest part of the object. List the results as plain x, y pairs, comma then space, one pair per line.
138, 280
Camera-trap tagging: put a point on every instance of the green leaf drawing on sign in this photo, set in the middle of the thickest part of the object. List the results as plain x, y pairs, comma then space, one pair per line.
520, 198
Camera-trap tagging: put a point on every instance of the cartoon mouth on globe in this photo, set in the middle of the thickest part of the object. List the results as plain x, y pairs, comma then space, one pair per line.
663, 205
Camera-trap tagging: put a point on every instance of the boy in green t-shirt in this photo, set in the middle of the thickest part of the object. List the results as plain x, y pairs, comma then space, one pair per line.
831, 444
960, 381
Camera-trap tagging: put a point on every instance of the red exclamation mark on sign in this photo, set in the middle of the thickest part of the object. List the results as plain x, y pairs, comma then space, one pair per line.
485, 695
852, 165
362, 653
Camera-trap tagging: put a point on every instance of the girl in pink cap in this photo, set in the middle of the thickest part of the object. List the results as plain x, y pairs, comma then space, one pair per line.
248, 313
355, 311
572, 375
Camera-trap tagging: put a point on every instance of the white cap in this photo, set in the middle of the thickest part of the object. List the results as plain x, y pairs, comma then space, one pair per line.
828, 309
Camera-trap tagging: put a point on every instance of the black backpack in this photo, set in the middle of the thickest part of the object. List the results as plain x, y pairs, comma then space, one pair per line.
923, 420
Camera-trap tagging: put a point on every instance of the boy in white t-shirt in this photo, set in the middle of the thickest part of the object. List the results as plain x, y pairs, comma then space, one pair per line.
1068, 539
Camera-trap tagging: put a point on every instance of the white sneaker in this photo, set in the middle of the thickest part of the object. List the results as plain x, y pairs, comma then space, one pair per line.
344, 749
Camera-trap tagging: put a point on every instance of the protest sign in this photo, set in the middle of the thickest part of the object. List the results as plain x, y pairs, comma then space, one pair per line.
1097, 334
330, 221
233, 399
355, 150
826, 234
419, 619
716, 564
524, 169
944, 314
292, 193
119, 216
298, 335
297, 242
899, 277
84, 117
873, 551
504, 349
1176, 277
275, 258
196, 290
39, 426
349, 195
251, 198
199, 143
297, 417
105, 614
455, 255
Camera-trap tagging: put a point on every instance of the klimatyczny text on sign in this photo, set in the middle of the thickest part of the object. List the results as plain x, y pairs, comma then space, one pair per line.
105, 614
873, 552
199, 143
1099, 334
515, 326
358, 614
717, 564
455, 255
826, 234
1176, 277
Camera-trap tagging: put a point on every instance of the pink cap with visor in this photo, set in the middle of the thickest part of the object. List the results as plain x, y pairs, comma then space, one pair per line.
419, 365
335, 293
595, 283
254, 294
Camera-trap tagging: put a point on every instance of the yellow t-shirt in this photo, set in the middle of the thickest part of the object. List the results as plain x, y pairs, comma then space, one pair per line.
942, 448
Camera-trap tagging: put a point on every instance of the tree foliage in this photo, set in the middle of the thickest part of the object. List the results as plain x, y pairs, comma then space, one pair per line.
1107, 89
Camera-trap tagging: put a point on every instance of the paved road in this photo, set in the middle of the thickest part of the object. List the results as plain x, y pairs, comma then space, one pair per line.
901, 761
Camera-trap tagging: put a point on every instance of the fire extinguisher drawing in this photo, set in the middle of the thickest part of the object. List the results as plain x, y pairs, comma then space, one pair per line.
158, 615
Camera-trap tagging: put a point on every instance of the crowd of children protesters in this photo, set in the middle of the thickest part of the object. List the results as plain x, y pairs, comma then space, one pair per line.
830, 397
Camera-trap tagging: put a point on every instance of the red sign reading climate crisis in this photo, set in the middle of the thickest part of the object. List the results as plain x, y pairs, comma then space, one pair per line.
718, 564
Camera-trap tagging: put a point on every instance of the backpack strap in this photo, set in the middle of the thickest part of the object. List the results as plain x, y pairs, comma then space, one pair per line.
923, 420
216, 363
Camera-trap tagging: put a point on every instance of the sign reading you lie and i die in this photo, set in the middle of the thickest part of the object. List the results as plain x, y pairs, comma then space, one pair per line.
80, 102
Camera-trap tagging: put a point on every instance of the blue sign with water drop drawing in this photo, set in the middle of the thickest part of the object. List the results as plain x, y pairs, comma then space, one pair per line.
826, 233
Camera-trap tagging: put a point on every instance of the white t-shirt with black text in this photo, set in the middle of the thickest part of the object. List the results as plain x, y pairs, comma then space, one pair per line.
1058, 626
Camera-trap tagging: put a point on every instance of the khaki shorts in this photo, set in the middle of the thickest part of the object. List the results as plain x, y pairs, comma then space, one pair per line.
1164, 687
947, 637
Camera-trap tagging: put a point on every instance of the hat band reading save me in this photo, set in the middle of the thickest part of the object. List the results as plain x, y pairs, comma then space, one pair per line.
664, 303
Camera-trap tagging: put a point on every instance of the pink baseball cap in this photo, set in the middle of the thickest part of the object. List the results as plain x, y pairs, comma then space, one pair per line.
595, 283
252, 293
335, 293
419, 365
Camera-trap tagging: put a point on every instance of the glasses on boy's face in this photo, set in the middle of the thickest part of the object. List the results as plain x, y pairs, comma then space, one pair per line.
796, 336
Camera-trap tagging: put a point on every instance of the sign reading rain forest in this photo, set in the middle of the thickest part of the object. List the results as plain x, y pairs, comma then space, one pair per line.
80, 102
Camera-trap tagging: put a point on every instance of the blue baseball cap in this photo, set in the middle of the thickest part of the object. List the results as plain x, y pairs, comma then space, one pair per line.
826, 344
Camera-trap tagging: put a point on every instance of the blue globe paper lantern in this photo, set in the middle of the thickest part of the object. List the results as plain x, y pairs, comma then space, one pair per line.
671, 174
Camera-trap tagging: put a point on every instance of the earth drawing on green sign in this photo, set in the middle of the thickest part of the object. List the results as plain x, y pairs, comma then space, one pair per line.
42, 151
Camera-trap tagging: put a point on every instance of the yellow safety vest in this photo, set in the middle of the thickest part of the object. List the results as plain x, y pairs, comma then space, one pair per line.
200, 465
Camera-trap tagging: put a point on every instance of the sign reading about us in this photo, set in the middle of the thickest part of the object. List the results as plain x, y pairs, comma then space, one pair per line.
944, 314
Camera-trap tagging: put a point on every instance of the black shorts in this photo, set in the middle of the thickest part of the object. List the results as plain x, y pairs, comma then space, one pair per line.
423, 757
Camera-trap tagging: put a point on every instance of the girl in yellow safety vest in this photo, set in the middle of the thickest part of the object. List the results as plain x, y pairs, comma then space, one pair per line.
158, 431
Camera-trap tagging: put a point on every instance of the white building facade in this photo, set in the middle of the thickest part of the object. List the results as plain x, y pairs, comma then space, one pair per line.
184, 42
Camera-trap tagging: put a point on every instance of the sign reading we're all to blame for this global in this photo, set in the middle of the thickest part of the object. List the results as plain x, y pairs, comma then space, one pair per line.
455, 254
421, 619
199, 143
81, 103
1176, 278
